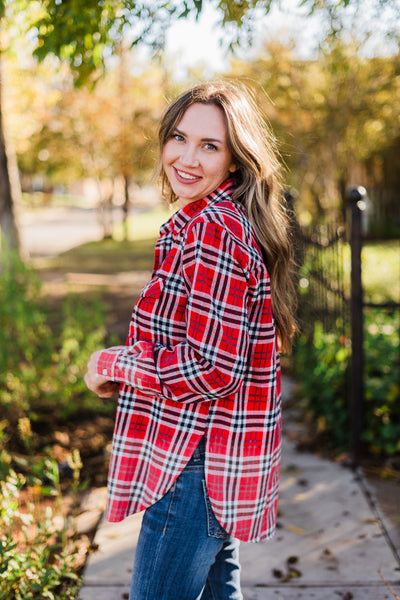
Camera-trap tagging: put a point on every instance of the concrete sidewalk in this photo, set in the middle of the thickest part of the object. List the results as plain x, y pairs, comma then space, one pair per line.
331, 542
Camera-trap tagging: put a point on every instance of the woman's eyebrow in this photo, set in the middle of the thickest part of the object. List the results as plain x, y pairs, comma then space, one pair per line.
177, 130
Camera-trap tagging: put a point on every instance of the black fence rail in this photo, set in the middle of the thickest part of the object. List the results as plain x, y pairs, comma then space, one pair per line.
331, 293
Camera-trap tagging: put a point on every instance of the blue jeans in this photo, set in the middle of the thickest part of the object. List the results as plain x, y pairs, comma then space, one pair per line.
183, 553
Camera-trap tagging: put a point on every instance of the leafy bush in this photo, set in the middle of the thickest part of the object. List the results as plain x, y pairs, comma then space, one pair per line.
382, 389
42, 366
35, 560
321, 368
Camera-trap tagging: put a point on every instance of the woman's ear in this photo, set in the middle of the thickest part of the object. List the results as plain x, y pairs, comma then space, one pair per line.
232, 168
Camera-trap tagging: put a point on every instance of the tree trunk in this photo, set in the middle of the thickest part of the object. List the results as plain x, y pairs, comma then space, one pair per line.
8, 225
104, 209
125, 209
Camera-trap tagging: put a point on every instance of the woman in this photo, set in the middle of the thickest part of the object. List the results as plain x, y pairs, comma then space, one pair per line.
198, 429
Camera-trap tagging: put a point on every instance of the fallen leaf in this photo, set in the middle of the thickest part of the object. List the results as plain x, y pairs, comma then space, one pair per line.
296, 529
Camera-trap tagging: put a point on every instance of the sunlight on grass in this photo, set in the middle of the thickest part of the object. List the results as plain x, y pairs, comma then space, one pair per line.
105, 256
381, 271
142, 226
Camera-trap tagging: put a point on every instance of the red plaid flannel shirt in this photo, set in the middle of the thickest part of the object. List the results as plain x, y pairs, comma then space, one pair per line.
201, 359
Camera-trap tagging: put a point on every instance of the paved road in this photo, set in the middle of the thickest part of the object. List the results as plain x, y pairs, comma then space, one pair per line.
50, 231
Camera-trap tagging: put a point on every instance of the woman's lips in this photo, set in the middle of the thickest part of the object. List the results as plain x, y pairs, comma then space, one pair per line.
184, 177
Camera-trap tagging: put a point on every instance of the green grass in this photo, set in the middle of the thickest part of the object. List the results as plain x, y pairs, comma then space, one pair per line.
145, 225
381, 271
106, 256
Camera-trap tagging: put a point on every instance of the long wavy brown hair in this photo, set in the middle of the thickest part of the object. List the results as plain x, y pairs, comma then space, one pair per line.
258, 185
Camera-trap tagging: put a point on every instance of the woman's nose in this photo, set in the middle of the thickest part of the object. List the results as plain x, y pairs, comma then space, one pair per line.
189, 157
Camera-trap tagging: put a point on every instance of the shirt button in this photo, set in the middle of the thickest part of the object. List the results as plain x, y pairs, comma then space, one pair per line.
105, 372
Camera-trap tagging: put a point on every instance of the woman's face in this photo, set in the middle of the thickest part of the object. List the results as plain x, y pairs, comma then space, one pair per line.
196, 158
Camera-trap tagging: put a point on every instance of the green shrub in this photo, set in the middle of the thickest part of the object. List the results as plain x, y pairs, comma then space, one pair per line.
382, 389
42, 366
321, 368
35, 560
43, 357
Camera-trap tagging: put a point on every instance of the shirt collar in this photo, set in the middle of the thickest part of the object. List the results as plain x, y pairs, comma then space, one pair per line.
189, 211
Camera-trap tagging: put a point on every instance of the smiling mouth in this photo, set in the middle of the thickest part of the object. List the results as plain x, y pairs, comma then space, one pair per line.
186, 176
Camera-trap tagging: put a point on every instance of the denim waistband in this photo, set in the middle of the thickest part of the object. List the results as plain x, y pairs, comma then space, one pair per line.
200, 449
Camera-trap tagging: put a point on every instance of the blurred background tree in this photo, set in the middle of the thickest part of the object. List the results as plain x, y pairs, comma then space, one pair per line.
335, 117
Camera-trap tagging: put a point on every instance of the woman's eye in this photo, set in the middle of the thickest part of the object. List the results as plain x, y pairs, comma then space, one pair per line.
178, 137
210, 147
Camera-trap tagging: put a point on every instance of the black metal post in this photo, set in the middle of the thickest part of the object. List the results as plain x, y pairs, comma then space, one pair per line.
357, 205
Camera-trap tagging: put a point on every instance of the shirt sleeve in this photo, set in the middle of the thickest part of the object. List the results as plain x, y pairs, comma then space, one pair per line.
211, 362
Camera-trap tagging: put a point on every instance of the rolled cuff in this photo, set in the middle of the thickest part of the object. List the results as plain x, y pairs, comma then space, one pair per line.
106, 364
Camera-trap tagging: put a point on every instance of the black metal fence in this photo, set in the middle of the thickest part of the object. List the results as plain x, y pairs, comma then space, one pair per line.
330, 260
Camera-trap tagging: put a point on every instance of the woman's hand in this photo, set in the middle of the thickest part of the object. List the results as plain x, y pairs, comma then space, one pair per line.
96, 383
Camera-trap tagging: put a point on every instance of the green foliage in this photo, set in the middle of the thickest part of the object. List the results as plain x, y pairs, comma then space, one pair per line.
84, 33
382, 389
35, 562
321, 367
40, 552
42, 363
77, 33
